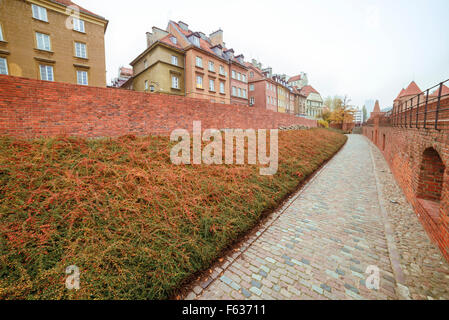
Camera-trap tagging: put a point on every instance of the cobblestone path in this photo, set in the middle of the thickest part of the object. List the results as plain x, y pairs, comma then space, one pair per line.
320, 244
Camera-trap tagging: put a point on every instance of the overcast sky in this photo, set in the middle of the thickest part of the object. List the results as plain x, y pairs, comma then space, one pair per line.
367, 49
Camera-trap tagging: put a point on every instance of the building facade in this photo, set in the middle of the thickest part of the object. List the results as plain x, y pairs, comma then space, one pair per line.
314, 102
207, 63
160, 68
123, 76
239, 80
43, 39
299, 80
262, 89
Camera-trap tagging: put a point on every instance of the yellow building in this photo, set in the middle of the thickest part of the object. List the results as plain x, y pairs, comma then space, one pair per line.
52, 40
160, 68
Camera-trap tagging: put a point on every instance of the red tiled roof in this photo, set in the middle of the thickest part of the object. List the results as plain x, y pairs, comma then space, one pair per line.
167, 40
70, 3
411, 90
294, 78
307, 90
444, 91
400, 94
376, 107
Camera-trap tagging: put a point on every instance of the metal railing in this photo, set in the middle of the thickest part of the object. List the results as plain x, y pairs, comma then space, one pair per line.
427, 110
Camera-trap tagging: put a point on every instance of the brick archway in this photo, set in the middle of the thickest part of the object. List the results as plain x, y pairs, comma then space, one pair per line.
431, 176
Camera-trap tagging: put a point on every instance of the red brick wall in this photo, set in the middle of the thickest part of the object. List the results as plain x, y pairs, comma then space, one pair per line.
406, 151
31, 108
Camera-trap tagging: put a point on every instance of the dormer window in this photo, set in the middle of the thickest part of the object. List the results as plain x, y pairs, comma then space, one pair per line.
195, 40
174, 40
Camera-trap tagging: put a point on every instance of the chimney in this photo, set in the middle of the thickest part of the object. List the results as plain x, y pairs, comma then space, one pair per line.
268, 71
184, 26
157, 34
217, 38
254, 62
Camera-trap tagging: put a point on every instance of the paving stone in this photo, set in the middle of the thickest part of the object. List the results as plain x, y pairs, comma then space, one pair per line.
256, 284
256, 291
246, 293
340, 230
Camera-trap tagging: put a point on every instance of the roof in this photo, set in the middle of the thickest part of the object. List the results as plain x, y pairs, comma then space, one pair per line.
167, 40
411, 90
376, 107
295, 78
307, 90
400, 94
207, 46
444, 91
68, 3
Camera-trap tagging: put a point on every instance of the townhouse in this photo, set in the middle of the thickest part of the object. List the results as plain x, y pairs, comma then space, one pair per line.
314, 102
283, 94
209, 65
48, 40
161, 67
262, 88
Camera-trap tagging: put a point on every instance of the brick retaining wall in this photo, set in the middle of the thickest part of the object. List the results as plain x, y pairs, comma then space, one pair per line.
31, 108
410, 153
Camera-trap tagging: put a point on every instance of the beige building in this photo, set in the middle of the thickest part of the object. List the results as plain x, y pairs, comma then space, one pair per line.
51, 40
160, 68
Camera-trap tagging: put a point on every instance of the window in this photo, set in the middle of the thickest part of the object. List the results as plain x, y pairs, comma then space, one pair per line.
244, 93
174, 60
268, 99
222, 70
199, 82
233, 74
234, 91
211, 85
78, 25
174, 40
175, 82
199, 62
211, 66
80, 50
222, 87
251, 74
196, 41
1, 33
82, 78
3, 66
268, 86
146, 85
252, 101
251, 87
46, 72
39, 13
240, 92
43, 41
238, 76
243, 78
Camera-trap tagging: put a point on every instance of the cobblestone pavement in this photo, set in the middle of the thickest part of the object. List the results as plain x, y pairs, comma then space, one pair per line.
319, 245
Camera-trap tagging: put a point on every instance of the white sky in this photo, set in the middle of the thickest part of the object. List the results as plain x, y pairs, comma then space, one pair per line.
368, 49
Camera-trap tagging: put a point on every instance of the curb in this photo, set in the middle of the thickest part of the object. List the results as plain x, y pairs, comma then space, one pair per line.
401, 287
